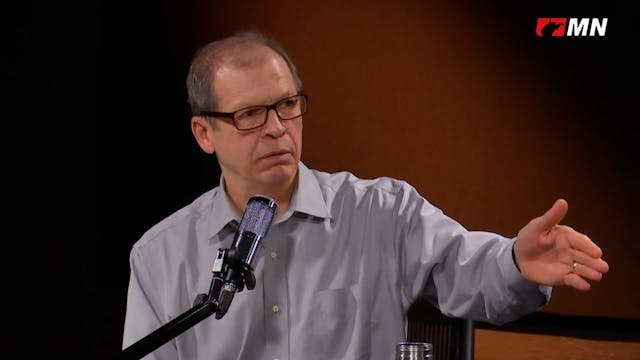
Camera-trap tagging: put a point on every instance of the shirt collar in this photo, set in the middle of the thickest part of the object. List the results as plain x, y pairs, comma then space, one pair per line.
307, 198
221, 212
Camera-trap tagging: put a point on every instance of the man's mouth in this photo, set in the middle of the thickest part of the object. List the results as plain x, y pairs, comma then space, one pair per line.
274, 154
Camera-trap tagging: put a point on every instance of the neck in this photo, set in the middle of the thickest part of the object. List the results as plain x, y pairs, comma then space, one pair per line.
239, 195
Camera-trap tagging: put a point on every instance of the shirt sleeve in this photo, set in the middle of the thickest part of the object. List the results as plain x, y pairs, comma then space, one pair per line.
141, 316
468, 274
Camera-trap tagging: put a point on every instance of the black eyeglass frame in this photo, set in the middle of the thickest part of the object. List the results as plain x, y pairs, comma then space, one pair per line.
274, 106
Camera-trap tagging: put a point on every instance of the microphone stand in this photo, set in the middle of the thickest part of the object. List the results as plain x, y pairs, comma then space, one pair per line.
229, 274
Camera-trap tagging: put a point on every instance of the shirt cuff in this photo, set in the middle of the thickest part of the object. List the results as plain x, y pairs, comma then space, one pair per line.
536, 294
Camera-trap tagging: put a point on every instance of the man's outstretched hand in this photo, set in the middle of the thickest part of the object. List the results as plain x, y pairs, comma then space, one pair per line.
548, 253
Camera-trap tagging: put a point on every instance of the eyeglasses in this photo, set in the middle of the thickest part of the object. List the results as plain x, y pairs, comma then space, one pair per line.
255, 116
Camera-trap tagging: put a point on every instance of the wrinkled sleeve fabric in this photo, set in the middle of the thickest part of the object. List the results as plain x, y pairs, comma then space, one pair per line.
468, 274
142, 318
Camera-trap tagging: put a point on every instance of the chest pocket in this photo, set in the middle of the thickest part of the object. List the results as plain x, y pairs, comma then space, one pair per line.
339, 328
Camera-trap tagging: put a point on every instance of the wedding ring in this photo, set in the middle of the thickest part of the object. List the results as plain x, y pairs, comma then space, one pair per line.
573, 266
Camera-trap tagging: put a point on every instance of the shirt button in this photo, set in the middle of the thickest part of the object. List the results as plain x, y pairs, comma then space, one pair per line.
275, 309
274, 254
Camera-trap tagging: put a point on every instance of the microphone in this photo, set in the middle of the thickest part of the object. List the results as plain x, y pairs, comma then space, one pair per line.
232, 268
231, 271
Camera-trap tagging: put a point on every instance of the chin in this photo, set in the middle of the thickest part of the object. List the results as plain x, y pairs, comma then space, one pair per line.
280, 173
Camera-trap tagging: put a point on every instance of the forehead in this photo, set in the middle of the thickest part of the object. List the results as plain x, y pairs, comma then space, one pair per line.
244, 55
250, 76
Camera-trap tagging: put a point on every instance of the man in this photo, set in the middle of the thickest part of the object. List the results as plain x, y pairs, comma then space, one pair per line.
346, 257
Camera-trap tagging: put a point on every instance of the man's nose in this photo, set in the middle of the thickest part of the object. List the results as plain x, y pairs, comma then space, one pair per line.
274, 124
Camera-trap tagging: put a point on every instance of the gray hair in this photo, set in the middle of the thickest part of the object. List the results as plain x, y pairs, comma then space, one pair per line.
230, 49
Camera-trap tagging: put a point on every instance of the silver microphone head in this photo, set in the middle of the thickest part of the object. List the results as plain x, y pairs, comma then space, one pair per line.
254, 225
258, 215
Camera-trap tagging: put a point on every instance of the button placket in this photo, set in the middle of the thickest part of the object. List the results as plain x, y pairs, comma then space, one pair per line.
276, 296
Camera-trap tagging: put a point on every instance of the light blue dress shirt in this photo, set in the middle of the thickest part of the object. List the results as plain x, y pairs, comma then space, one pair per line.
335, 277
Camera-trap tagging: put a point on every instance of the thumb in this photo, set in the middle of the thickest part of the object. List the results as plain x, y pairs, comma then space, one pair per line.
553, 216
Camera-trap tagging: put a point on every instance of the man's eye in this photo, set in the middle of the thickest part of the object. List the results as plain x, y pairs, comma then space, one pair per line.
289, 102
249, 113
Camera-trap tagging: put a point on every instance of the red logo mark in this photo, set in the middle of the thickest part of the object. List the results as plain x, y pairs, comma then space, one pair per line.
551, 27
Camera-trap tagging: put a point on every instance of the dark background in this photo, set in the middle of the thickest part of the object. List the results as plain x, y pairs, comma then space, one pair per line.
488, 121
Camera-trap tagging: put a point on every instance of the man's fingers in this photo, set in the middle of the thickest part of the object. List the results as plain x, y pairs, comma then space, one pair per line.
597, 264
587, 272
575, 281
553, 216
578, 241
583, 243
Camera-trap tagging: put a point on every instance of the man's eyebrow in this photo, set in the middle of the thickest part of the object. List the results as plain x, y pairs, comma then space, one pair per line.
246, 104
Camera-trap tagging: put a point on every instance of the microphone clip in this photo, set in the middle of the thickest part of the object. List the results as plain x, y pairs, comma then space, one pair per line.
230, 275
229, 267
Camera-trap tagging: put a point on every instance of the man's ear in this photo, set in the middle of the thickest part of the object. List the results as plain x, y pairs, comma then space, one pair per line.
202, 131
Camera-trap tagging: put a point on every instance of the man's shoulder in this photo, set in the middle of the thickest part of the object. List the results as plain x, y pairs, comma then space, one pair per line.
177, 224
340, 181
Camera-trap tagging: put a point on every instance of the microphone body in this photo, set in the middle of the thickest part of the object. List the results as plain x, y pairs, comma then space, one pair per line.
232, 269
255, 223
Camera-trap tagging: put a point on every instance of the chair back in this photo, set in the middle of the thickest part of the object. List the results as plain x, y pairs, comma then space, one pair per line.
452, 338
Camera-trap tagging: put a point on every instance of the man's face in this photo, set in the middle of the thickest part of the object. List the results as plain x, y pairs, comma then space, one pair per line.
262, 158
